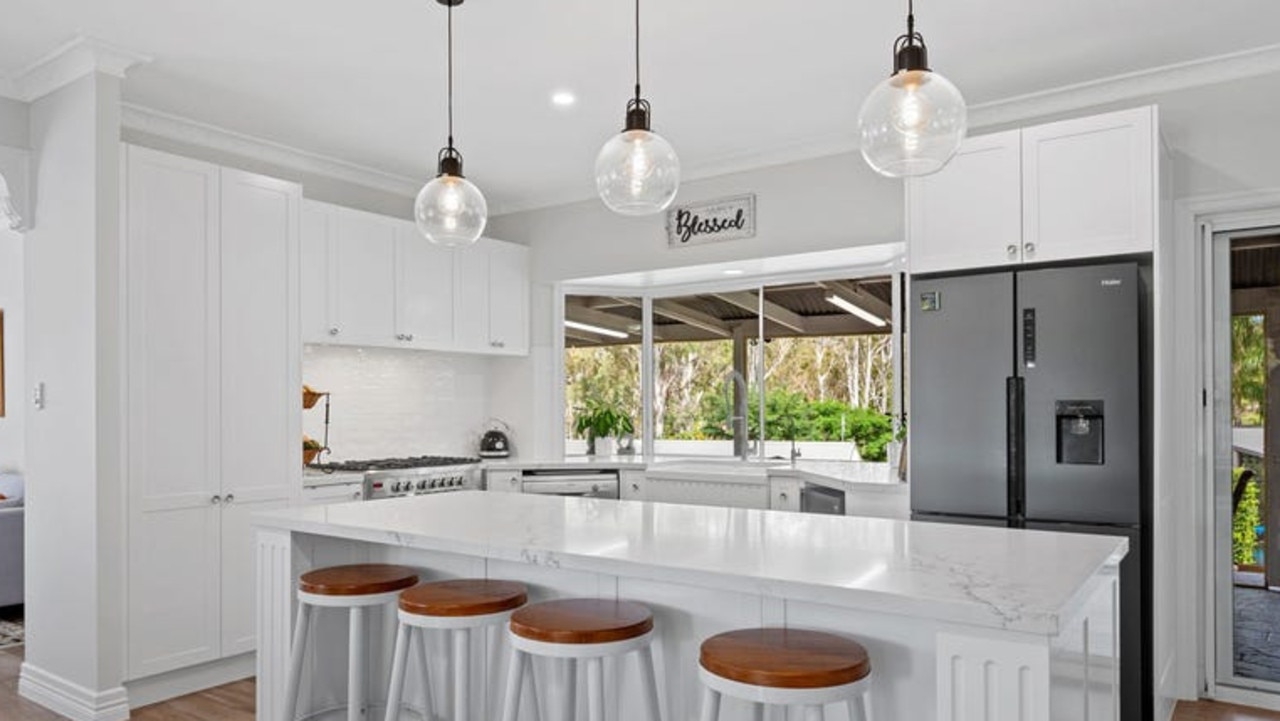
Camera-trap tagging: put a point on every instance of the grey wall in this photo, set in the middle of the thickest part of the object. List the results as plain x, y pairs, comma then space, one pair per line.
14, 123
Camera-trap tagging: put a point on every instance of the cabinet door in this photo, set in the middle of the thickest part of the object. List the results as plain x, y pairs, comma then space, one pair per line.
969, 214
632, 486
1089, 186
260, 344
509, 298
503, 481
424, 291
364, 279
471, 298
239, 575
784, 494
171, 253
319, 223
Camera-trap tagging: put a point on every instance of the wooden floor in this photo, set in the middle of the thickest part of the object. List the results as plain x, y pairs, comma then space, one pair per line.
234, 702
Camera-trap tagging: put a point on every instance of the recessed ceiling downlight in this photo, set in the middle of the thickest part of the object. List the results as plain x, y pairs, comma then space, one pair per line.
563, 99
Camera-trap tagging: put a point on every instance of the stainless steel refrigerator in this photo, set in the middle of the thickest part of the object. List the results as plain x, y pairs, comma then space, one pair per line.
1029, 409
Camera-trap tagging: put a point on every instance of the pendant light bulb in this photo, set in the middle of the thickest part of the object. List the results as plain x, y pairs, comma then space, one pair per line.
913, 122
637, 171
450, 210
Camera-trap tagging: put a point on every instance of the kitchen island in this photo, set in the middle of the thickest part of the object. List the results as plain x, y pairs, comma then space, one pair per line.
962, 623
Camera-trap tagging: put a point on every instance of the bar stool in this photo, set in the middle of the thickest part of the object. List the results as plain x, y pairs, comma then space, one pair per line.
458, 607
785, 667
356, 588
585, 630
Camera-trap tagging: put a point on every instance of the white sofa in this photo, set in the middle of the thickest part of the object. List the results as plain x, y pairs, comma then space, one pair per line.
11, 524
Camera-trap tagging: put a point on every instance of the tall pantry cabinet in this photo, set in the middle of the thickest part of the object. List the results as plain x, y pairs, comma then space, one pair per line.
213, 359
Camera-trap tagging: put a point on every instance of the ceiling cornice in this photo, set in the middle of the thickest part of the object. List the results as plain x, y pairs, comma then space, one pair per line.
69, 62
185, 130
1129, 86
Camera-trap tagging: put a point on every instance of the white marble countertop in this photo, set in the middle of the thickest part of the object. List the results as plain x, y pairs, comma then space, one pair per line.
1026, 581
844, 475
515, 463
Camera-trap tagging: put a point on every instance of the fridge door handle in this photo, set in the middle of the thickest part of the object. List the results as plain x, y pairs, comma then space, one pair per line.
1015, 448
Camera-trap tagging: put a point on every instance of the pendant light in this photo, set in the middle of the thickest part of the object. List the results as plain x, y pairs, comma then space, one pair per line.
450, 210
913, 122
637, 172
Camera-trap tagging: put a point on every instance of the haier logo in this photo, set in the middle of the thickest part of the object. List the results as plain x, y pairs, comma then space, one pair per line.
1111, 282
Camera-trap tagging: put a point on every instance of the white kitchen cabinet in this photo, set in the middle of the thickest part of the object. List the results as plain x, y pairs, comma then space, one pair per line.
375, 281
1089, 186
969, 214
632, 486
213, 338
424, 307
508, 284
503, 481
363, 290
784, 494
1075, 189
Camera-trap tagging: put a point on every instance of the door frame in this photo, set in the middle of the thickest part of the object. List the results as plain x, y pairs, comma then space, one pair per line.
1197, 221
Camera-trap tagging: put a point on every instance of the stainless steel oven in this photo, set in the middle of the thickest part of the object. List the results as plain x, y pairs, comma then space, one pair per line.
585, 483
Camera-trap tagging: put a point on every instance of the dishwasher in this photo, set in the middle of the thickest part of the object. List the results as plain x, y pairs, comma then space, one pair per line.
585, 483
822, 500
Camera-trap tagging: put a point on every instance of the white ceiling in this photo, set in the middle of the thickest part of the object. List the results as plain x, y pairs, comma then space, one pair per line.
363, 80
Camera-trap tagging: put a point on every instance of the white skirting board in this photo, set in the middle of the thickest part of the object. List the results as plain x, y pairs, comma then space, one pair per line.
165, 686
72, 700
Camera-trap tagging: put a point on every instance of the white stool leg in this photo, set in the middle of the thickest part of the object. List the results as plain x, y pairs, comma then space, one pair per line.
301, 630
515, 677
569, 692
595, 689
757, 712
858, 708
355, 666
533, 688
650, 682
461, 674
424, 669
400, 659
710, 704
813, 713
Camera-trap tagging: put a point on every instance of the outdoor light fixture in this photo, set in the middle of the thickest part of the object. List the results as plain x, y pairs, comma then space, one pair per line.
637, 172
913, 122
450, 210
848, 307
596, 329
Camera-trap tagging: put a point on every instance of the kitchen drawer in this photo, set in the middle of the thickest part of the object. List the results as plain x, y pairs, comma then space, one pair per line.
503, 481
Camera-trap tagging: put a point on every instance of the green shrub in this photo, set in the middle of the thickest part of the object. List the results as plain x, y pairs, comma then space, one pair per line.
1244, 526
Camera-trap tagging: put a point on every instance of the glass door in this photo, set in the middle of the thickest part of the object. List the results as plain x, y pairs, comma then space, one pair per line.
1246, 297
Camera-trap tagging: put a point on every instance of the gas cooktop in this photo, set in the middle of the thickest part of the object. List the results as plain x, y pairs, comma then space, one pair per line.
395, 464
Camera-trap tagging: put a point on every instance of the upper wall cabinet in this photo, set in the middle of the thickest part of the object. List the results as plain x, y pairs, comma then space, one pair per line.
375, 281
1075, 189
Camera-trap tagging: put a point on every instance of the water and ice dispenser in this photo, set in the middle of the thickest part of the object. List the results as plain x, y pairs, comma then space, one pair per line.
1080, 433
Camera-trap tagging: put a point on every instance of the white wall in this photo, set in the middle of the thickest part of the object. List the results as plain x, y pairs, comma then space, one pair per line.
14, 128
12, 437
74, 537
393, 403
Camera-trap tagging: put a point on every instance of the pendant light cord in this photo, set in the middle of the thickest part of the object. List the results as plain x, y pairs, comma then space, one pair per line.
637, 51
451, 76
911, 22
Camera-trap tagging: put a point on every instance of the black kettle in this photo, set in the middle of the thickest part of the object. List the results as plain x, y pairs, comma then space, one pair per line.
495, 443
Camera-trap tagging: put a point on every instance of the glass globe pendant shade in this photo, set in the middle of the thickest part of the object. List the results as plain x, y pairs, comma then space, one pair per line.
912, 124
637, 173
451, 211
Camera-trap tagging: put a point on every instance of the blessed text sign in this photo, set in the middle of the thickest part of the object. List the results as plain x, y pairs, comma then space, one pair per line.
725, 219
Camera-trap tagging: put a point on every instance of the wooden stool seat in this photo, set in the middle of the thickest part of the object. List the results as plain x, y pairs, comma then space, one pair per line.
363, 579
467, 597
582, 621
785, 658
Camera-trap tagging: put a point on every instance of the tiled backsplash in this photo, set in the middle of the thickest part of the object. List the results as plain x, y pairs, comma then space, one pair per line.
389, 403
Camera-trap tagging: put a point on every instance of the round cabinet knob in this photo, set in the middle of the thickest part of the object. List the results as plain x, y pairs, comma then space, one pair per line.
216, 500
515, 481
230, 497
333, 331
595, 487
409, 337
782, 496
635, 486
357, 495
1012, 250
1029, 249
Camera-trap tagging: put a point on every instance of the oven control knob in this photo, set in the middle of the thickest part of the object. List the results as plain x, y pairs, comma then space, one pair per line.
436, 483
422, 485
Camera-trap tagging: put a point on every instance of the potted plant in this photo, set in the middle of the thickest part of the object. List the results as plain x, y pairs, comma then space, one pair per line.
311, 449
602, 423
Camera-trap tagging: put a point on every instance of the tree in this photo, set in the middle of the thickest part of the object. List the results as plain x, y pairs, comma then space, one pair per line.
1248, 370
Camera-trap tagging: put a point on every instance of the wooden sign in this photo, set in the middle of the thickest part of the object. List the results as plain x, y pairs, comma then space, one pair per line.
712, 222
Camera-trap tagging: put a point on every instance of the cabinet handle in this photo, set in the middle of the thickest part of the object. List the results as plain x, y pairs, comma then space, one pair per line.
216, 500
782, 496
1029, 249
409, 337
357, 495
1012, 250
635, 486
333, 331
230, 497
514, 481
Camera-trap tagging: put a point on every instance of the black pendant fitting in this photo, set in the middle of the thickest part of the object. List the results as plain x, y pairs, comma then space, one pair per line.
912, 55
450, 162
450, 3
637, 114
